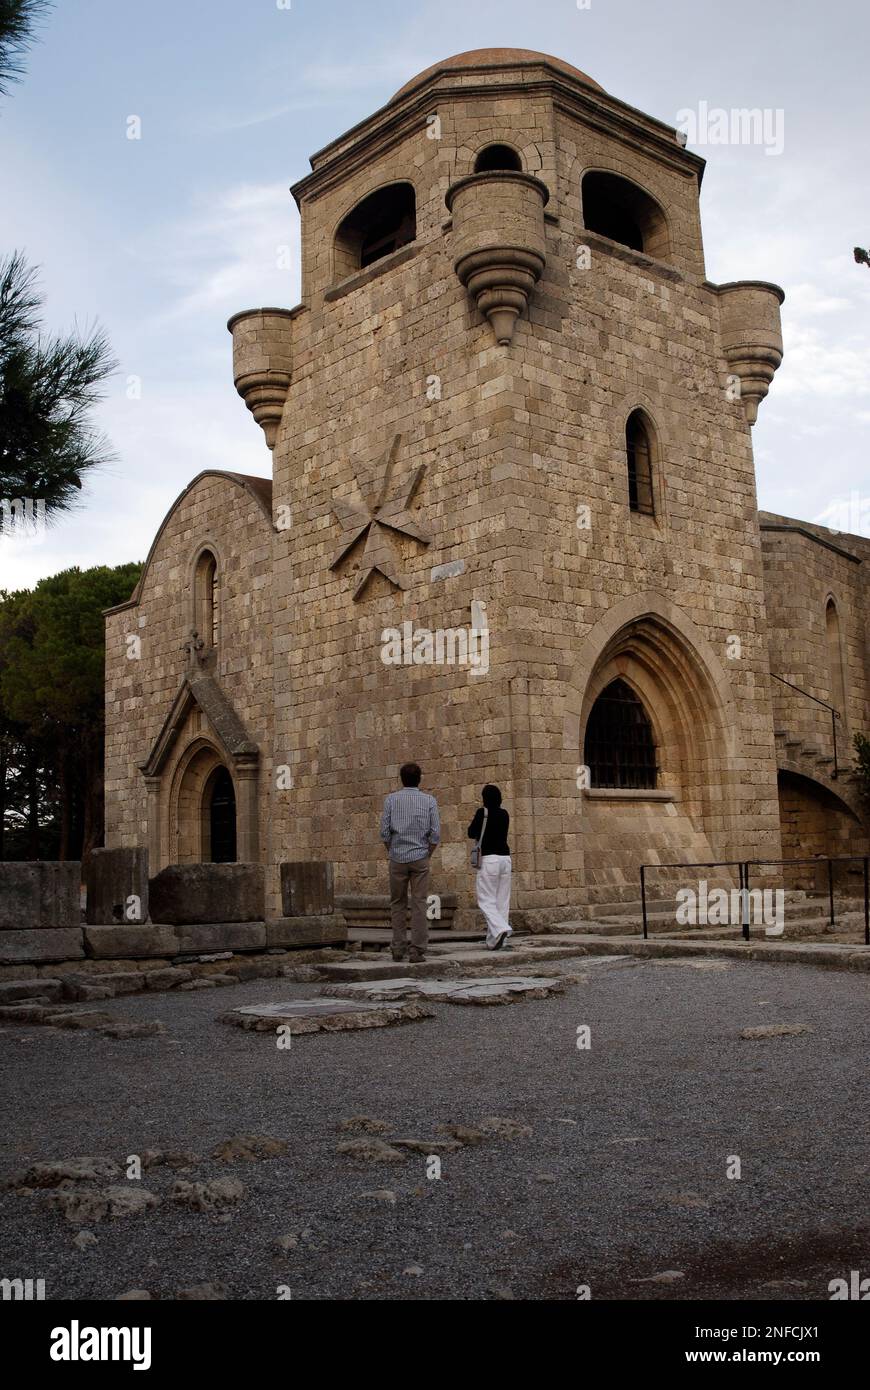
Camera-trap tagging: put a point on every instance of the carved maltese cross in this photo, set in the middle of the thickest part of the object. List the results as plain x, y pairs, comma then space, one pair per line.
381, 513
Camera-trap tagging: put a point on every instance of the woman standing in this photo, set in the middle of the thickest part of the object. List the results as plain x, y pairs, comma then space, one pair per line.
492, 859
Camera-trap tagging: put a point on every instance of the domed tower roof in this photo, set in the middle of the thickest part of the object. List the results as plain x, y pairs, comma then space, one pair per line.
496, 57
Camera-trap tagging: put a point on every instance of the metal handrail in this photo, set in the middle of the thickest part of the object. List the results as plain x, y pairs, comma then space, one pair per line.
835, 713
743, 866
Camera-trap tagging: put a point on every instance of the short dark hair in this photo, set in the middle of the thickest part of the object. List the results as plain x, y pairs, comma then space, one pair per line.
410, 774
491, 796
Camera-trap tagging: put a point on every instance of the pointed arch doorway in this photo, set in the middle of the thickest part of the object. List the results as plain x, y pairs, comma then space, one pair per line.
205, 814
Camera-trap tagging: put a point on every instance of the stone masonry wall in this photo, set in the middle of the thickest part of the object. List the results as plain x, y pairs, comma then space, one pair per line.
800, 576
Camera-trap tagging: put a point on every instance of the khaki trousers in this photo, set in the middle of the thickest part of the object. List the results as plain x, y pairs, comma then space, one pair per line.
414, 877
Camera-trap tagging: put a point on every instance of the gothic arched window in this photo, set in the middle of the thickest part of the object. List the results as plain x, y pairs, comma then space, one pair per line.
619, 749
639, 460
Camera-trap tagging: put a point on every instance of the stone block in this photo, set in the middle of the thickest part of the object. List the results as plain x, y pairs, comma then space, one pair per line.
42, 944
114, 983
167, 978
117, 887
44, 893
221, 936
207, 893
46, 988
31, 1011
123, 943
307, 931
121, 981
307, 889
324, 1015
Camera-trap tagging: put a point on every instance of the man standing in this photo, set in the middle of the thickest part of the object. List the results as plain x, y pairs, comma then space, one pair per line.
411, 830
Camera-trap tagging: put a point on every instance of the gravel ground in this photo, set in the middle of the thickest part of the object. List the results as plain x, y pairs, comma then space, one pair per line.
623, 1178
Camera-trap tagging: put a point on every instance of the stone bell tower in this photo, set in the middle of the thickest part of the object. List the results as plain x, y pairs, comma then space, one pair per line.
512, 465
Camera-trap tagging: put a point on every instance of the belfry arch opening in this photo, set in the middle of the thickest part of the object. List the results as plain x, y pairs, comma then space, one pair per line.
497, 157
618, 209
382, 223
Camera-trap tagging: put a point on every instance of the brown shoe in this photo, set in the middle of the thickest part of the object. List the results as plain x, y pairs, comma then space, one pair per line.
417, 957
398, 955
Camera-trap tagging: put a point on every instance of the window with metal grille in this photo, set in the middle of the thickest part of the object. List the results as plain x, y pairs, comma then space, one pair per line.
638, 452
619, 749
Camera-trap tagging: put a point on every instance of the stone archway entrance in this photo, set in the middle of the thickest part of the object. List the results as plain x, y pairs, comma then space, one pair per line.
202, 776
815, 821
190, 804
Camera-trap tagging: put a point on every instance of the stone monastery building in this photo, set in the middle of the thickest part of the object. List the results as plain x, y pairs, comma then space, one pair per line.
511, 530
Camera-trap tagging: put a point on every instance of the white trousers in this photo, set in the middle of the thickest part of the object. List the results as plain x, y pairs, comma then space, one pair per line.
493, 887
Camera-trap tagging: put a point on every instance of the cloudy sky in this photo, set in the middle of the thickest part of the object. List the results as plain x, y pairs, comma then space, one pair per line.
161, 239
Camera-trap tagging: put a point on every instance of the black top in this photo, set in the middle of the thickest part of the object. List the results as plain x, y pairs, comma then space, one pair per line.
495, 837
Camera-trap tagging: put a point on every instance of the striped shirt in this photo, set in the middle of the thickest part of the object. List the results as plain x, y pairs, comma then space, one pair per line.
410, 826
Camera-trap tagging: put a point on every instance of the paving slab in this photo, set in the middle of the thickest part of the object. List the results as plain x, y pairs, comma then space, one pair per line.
483, 990
324, 1015
833, 956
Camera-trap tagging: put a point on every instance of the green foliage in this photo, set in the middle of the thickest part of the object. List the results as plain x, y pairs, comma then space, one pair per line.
862, 764
52, 664
18, 23
48, 388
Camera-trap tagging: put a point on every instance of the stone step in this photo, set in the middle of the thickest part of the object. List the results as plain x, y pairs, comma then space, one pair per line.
18, 991
366, 969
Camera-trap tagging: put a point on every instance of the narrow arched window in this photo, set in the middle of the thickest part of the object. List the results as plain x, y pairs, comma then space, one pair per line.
206, 598
382, 223
835, 657
619, 748
639, 461
494, 157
